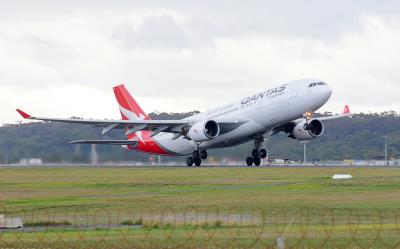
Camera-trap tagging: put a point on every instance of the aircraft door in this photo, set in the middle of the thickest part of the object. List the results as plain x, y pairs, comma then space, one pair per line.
294, 91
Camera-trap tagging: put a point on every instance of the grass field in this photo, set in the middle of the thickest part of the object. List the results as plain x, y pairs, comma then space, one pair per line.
240, 204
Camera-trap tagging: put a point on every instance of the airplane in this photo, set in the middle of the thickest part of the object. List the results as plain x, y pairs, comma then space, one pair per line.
287, 108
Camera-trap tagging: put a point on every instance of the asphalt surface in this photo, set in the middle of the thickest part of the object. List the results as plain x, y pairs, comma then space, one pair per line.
202, 166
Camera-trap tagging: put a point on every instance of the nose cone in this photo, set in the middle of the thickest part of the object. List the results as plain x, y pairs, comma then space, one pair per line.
326, 92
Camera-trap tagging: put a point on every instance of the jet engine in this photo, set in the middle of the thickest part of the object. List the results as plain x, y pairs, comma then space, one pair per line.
307, 131
203, 131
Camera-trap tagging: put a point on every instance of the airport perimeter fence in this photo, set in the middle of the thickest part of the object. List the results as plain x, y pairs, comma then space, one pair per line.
194, 228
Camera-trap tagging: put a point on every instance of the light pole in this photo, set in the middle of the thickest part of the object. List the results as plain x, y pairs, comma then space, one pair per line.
94, 157
304, 151
386, 147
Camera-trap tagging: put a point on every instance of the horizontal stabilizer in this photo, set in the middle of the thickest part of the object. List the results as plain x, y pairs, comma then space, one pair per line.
109, 142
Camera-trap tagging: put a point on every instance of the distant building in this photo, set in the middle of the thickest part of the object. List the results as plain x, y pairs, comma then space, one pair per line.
391, 162
31, 161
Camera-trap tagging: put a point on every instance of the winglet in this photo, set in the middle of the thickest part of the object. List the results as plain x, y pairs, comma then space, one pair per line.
346, 110
23, 114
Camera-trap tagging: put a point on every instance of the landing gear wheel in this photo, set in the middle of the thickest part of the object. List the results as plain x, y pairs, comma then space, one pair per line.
249, 161
197, 161
203, 154
257, 161
196, 154
255, 153
189, 161
263, 153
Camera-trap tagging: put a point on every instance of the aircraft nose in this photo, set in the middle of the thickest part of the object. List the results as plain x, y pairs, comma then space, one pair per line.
327, 92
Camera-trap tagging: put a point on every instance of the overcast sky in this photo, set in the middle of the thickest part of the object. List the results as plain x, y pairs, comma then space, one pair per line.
62, 58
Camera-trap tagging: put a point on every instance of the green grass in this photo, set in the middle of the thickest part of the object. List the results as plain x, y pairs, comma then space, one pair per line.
75, 189
184, 237
178, 200
137, 222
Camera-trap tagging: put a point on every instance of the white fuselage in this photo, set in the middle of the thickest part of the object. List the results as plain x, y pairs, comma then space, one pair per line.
262, 111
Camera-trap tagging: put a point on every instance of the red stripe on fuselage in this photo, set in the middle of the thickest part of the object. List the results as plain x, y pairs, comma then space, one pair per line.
147, 144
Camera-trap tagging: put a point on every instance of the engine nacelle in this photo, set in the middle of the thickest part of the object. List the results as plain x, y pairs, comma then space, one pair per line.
303, 131
203, 131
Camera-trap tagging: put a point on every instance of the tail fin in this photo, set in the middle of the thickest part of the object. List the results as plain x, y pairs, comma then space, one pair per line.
129, 108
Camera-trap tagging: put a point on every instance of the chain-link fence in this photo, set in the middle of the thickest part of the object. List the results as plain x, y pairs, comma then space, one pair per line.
194, 228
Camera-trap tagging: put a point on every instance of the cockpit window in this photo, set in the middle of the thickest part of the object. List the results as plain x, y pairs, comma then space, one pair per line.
317, 84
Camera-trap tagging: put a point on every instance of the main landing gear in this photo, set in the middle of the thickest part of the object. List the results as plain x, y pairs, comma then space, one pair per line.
257, 154
256, 157
198, 155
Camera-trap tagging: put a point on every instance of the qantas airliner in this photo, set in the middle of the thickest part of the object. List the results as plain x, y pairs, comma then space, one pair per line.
287, 108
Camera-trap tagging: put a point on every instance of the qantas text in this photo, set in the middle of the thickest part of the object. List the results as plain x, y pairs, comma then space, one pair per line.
264, 94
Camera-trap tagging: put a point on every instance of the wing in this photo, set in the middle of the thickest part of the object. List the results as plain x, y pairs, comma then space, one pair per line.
156, 126
130, 125
346, 113
288, 127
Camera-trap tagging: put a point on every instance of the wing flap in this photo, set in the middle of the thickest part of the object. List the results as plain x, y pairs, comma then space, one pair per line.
108, 128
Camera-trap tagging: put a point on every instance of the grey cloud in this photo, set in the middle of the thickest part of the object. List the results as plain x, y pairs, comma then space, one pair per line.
154, 32
318, 19
209, 18
44, 50
264, 44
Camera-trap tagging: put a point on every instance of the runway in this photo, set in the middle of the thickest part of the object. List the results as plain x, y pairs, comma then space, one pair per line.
127, 165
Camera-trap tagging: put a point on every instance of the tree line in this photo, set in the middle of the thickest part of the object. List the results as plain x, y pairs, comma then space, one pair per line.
360, 137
